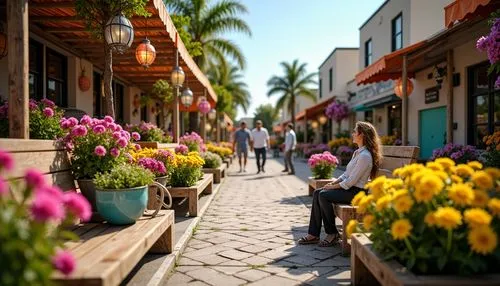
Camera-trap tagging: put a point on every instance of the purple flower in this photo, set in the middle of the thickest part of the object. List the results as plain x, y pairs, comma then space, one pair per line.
32, 104
64, 262
34, 178
109, 119
77, 205
6, 161
136, 136
86, 120
49, 112
45, 208
100, 151
99, 129
4, 187
337, 111
497, 82
482, 43
114, 152
122, 142
181, 149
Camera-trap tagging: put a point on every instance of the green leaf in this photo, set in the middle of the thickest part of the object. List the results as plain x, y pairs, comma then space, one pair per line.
441, 262
411, 262
68, 235
422, 266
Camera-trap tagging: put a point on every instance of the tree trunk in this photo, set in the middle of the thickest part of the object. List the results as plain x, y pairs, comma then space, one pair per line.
108, 77
293, 110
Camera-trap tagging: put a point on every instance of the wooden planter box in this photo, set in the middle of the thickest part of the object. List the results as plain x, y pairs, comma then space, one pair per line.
368, 268
316, 184
230, 159
227, 162
218, 173
157, 145
204, 185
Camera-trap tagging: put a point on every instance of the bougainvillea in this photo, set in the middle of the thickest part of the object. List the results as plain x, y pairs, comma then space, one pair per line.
491, 45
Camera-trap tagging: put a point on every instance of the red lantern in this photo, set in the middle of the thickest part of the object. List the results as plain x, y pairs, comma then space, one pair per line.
3, 45
145, 53
398, 87
204, 106
84, 82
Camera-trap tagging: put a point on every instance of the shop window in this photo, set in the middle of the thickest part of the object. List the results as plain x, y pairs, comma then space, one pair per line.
144, 112
320, 88
395, 120
57, 78
368, 53
397, 33
35, 78
369, 116
483, 104
99, 104
330, 75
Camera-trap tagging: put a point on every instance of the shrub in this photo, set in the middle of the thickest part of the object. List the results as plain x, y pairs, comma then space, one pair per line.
124, 176
193, 141
212, 160
492, 154
440, 218
32, 227
187, 171
336, 143
221, 151
459, 153
322, 165
44, 117
315, 149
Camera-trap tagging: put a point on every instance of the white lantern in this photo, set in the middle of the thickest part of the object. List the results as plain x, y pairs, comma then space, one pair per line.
187, 97
177, 77
119, 33
212, 114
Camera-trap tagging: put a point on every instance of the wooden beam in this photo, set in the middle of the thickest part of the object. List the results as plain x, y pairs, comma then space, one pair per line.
84, 30
175, 119
449, 96
59, 19
405, 101
63, 4
18, 39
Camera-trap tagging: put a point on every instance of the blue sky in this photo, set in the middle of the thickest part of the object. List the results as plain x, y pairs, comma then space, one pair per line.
284, 30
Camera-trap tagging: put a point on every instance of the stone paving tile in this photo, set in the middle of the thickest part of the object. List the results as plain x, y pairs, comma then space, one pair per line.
184, 269
252, 275
179, 279
336, 277
197, 283
257, 260
253, 249
235, 254
302, 260
211, 259
274, 281
212, 277
229, 270
188, 262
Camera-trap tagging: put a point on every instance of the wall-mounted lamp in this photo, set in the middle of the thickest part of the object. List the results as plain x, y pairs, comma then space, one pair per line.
439, 73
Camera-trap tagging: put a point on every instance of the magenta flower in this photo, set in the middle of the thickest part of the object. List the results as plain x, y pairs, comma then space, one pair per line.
34, 178
136, 136
155, 166
114, 152
100, 151
497, 82
79, 130
482, 43
112, 126
86, 120
122, 142
64, 262
117, 135
45, 208
52, 191
109, 119
181, 149
32, 104
6, 161
49, 112
126, 134
70, 146
72, 122
118, 128
48, 102
99, 129
4, 187
337, 110
77, 205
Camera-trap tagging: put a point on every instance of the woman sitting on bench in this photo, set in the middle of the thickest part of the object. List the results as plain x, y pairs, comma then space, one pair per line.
363, 165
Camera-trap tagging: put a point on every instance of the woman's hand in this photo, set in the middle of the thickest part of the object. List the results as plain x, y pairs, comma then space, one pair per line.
330, 187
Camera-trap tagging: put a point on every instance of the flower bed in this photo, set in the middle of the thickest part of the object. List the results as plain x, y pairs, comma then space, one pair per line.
221, 151
149, 132
390, 140
459, 153
492, 154
315, 149
187, 170
194, 142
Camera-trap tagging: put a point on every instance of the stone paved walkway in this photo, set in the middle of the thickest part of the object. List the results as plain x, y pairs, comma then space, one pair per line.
248, 236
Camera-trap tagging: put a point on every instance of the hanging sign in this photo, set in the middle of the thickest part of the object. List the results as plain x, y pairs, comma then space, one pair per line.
431, 95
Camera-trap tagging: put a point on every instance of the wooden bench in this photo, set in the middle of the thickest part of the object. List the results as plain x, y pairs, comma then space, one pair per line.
218, 173
105, 254
204, 185
315, 184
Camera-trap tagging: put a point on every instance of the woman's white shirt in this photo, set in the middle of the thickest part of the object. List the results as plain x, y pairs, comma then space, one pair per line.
358, 170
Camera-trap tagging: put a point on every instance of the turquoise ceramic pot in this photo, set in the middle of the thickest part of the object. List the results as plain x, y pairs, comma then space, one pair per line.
122, 206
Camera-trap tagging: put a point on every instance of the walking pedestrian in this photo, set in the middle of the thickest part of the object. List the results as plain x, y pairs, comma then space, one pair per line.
363, 165
290, 143
242, 138
260, 144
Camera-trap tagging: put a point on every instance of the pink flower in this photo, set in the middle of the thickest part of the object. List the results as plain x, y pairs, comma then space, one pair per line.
4, 187
136, 136
85, 120
45, 208
77, 205
137, 147
48, 102
99, 129
118, 128
114, 152
100, 151
34, 178
117, 135
125, 134
79, 130
181, 149
32, 104
6, 161
129, 157
122, 142
69, 146
109, 119
64, 262
52, 191
72, 122
112, 126
49, 112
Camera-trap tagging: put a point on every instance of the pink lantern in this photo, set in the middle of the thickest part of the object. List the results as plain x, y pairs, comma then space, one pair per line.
204, 106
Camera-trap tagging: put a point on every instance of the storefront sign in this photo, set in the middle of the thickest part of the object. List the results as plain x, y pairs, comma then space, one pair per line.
432, 95
372, 90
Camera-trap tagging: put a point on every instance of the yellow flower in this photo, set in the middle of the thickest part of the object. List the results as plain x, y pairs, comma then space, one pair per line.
364, 203
383, 202
403, 204
401, 228
430, 219
493, 172
477, 217
351, 228
448, 217
461, 194
475, 165
435, 166
393, 183
399, 193
464, 171
494, 206
456, 179
432, 182
377, 186
442, 174
482, 180
368, 222
445, 162
483, 240
357, 198
481, 198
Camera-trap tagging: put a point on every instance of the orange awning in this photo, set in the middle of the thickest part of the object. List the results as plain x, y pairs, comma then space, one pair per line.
300, 115
277, 128
319, 109
387, 67
460, 10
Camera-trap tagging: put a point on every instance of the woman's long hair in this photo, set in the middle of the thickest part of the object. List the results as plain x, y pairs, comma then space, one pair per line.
372, 143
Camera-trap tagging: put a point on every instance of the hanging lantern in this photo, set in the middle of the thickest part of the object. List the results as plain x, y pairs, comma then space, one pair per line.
398, 87
119, 33
187, 97
314, 124
3, 45
323, 119
222, 124
145, 53
208, 127
204, 106
177, 77
83, 81
212, 114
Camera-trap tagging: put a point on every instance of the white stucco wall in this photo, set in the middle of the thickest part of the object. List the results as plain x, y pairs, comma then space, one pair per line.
130, 92
344, 65
427, 18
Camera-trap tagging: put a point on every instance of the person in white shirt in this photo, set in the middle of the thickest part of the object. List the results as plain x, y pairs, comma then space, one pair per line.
363, 166
260, 144
290, 143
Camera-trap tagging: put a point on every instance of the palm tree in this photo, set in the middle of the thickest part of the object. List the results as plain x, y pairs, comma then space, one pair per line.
208, 23
295, 82
230, 79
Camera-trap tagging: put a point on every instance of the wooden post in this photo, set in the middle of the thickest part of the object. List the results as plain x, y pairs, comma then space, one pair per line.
405, 101
305, 129
18, 62
203, 130
175, 115
217, 127
449, 97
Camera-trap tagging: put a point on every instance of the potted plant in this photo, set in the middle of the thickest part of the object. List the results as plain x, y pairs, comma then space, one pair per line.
96, 146
212, 160
322, 165
34, 216
122, 193
222, 151
440, 218
193, 141
187, 170
492, 154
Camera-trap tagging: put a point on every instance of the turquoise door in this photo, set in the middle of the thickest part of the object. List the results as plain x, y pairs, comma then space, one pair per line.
432, 130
